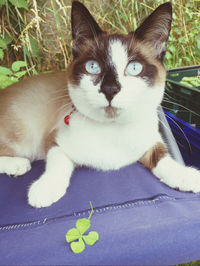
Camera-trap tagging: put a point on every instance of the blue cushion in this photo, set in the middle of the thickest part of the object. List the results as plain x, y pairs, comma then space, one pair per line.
140, 220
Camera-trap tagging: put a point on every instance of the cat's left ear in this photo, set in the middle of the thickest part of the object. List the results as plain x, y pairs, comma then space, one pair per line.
156, 29
83, 26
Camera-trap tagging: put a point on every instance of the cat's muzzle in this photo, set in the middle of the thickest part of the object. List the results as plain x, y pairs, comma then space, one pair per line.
111, 112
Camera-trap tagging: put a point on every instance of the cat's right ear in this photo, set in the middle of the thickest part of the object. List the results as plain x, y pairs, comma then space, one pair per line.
84, 26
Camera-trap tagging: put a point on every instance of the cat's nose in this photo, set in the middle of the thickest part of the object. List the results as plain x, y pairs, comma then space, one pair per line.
110, 91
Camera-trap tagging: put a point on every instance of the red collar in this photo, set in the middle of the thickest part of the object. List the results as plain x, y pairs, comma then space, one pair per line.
67, 117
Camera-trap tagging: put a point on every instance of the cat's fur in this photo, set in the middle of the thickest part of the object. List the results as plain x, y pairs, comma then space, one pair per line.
114, 119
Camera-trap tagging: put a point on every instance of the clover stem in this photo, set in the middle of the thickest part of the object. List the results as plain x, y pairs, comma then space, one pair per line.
92, 210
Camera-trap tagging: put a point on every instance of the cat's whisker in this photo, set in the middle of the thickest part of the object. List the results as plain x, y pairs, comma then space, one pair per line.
167, 128
182, 107
63, 108
64, 97
169, 96
59, 90
167, 108
186, 138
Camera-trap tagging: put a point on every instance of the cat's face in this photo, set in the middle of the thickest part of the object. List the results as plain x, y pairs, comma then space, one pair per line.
117, 77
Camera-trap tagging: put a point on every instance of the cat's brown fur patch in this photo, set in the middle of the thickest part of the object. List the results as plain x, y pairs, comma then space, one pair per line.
6, 151
41, 101
153, 156
50, 141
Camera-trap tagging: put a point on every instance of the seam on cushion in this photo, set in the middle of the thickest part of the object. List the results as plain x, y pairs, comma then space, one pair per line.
112, 207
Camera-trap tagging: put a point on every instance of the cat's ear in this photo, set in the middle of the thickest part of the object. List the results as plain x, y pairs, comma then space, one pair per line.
156, 28
83, 26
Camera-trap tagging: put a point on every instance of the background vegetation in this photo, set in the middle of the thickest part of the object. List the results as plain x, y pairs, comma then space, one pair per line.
37, 32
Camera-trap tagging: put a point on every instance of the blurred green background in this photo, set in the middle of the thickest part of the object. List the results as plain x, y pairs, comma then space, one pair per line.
36, 34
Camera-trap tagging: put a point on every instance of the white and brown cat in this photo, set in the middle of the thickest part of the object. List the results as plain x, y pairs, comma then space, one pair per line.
101, 112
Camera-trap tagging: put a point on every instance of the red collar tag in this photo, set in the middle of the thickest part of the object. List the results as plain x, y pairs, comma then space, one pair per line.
67, 117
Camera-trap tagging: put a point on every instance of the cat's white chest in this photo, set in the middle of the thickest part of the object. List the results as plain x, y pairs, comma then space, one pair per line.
103, 146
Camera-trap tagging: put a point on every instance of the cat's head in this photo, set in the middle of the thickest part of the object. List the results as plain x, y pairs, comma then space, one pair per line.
116, 77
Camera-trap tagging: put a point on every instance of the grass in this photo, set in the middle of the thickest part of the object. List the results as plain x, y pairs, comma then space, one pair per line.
194, 263
41, 35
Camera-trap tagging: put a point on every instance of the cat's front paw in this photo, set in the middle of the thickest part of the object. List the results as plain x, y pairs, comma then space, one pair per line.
178, 176
191, 180
44, 193
186, 179
16, 166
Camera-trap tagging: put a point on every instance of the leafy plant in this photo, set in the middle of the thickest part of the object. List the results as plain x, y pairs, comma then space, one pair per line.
40, 30
15, 3
3, 47
11, 75
76, 236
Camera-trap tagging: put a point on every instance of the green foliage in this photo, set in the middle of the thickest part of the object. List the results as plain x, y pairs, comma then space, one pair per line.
190, 81
38, 32
83, 225
91, 238
2, 2
78, 247
17, 65
183, 47
3, 46
9, 76
15, 3
75, 236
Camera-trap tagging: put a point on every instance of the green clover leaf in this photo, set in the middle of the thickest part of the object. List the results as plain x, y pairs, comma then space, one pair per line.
72, 234
82, 225
91, 238
78, 247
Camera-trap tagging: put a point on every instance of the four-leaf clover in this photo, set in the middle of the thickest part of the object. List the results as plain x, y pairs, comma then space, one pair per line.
76, 236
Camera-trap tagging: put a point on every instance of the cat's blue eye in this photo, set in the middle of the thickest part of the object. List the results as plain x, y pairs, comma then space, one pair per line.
93, 67
133, 69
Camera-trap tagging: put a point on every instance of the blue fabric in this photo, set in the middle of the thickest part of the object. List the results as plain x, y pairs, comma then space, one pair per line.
140, 220
188, 139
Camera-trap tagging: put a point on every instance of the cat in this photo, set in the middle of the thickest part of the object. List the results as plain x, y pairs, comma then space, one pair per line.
100, 113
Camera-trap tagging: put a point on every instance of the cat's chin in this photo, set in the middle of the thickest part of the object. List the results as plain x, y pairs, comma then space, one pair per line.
111, 112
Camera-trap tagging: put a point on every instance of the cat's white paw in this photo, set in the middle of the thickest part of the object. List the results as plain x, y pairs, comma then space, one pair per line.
44, 193
184, 179
178, 176
190, 180
16, 166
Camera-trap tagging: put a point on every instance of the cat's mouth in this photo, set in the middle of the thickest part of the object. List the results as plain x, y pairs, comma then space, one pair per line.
111, 112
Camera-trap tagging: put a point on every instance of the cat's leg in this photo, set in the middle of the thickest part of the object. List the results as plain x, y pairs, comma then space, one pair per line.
52, 185
10, 164
169, 171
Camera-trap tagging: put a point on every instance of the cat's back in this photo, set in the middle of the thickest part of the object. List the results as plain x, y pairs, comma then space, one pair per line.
39, 84
33, 90
29, 111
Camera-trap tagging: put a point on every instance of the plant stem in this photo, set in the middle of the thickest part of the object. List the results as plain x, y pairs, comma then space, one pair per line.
92, 210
